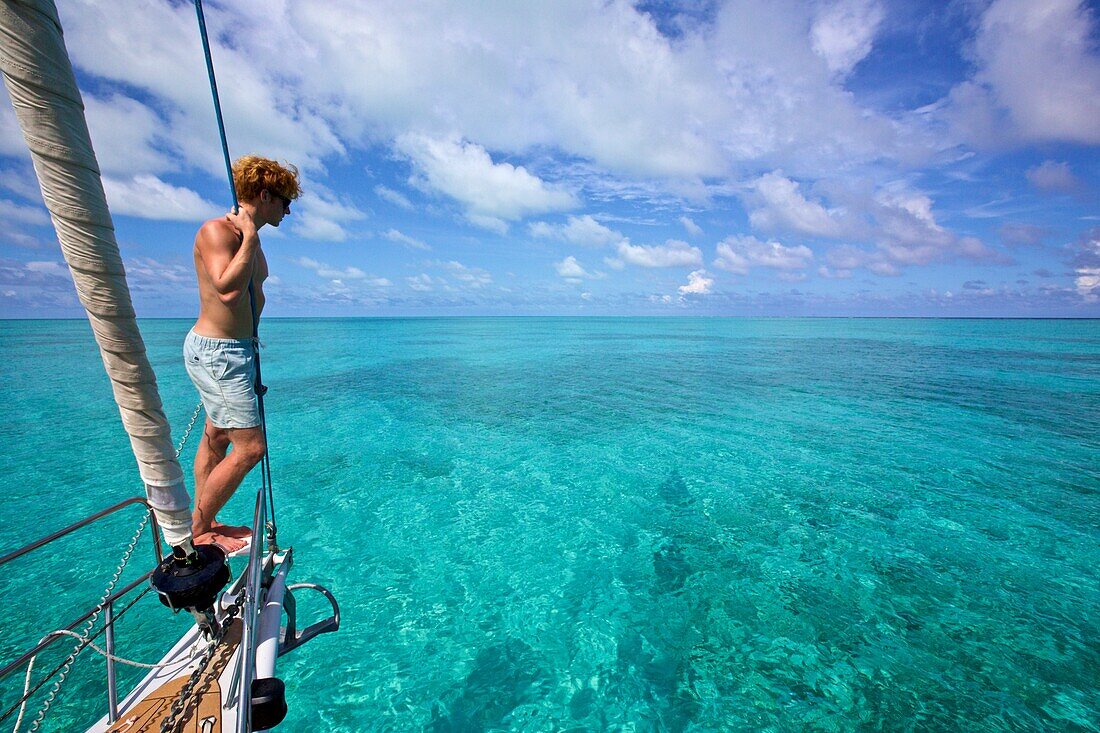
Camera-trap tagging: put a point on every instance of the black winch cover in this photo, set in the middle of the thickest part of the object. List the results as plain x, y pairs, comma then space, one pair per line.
193, 581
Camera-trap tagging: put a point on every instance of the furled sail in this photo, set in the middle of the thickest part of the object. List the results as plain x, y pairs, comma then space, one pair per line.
43, 90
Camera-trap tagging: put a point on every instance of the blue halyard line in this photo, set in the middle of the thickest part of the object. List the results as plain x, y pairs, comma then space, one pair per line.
217, 104
265, 466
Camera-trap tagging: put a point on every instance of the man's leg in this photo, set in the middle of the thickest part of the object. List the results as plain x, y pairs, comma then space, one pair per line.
211, 452
223, 478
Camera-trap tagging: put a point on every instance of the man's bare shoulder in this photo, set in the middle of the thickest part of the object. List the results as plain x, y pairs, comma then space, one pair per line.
217, 234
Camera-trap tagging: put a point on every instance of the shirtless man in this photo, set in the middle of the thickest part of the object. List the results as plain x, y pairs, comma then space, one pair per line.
219, 351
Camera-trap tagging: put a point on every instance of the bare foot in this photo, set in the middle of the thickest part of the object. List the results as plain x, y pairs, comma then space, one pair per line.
226, 543
230, 530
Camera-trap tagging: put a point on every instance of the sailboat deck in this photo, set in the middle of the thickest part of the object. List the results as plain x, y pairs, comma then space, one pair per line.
205, 713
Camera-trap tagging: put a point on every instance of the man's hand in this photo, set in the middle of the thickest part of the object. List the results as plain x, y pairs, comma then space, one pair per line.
242, 222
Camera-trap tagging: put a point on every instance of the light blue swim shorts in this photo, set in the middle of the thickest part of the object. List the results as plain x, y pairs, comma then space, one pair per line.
223, 371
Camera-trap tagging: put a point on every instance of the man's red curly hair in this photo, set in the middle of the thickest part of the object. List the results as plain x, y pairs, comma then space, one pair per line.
252, 174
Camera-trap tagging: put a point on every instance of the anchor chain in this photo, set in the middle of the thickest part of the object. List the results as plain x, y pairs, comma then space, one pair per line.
190, 425
173, 722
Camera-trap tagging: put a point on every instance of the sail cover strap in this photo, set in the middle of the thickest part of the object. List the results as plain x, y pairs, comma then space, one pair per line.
47, 102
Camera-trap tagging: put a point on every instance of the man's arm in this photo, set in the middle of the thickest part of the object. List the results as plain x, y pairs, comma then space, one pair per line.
229, 264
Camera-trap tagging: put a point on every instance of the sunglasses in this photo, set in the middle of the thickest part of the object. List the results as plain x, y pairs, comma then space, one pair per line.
284, 199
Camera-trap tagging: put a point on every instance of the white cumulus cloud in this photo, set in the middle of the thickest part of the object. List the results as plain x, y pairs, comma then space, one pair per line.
747, 85
395, 236
492, 193
739, 254
469, 277
159, 55
1053, 176
1087, 283
1038, 76
846, 258
698, 283
329, 272
11, 212
780, 206
148, 197
320, 215
583, 230
394, 197
129, 137
57, 269
149, 275
672, 253
1086, 264
11, 137
22, 181
570, 269
692, 228
899, 222
843, 32
423, 282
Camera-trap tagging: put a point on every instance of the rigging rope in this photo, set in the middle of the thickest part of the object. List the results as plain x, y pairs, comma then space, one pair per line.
48, 677
265, 463
123, 660
84, 637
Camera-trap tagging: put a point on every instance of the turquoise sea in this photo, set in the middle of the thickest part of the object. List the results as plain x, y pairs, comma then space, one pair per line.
563, 524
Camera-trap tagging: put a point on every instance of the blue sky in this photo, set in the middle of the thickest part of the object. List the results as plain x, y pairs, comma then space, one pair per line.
834, 157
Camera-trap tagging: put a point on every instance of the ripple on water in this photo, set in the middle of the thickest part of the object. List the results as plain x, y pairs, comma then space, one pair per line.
637, 524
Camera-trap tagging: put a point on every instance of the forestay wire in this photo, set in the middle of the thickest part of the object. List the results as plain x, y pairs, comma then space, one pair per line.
265, 464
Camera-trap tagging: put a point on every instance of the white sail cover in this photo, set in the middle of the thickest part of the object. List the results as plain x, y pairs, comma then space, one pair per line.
43, 90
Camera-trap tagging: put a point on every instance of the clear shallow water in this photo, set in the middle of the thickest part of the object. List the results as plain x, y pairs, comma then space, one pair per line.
626, 524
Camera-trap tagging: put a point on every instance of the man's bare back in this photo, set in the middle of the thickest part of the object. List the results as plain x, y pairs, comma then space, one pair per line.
224, 307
